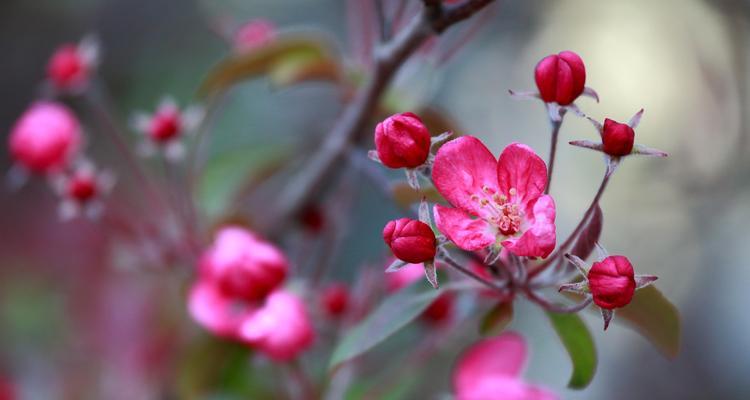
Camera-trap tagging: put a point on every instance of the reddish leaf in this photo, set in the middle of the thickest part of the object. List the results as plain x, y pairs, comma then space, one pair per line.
589, 235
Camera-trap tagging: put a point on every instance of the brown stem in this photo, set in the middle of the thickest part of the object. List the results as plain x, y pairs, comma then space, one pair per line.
349, 127
552, 151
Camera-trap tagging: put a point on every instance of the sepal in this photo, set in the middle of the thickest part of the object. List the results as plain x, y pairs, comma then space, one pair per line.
431, 273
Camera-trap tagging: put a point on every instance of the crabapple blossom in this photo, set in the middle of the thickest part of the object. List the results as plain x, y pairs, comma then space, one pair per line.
494, 201
491, 369
243, 265
45, 138
71, 65
281, 328
82, 189
402, 141
164, 130
253, 34
410, 240
617, 138
335, 299
560, 78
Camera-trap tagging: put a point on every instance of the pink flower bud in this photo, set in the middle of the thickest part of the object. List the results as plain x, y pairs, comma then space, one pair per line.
253, 34
68, 67
402, 141
281, 328
617, 138
612, 282
45, 138
335, 300
560, 77
410, 240
243, 265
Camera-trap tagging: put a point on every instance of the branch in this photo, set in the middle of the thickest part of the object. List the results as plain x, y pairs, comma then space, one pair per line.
350, 125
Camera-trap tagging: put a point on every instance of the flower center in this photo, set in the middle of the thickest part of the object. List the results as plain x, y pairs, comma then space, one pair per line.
502, 212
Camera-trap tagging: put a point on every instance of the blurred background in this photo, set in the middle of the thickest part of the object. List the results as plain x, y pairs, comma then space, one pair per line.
76, 321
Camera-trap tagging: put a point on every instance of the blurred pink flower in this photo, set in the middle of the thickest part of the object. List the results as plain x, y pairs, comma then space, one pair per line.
254, 34
491, 368
405, 276
164, 130
281, 328
505, 195
45, 138
72, 64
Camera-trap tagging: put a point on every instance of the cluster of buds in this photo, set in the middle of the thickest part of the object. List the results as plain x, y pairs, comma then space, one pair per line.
239, 296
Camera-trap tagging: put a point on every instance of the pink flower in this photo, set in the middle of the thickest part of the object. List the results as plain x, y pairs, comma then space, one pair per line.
612, 282
335, 300
222, 315
402, 141
242, 265
164, 130
560, 78
494, 200
617, 138
491, 368
82, 189
410, 240
71, 64
281, 328
254, 34
45, 138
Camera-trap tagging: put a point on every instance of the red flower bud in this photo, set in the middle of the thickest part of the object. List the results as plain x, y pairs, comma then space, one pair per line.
335, 299
402, 141
440, 310
612, 282
617, 138
560, 77
67, 67
410, 240
82, 187
165, 125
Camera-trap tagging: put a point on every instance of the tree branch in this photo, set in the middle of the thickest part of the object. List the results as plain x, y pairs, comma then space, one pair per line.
349, 127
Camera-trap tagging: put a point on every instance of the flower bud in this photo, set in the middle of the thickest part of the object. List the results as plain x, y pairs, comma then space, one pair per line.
402, 141
440, 310
560, 78
45, 138
612, 282
165, 124
82, 186
617, 138
243, 265
68, 67
335, 299
410, 240
281, 328
253, 34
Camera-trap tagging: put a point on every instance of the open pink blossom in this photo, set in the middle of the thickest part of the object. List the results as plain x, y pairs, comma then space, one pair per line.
220, 314
242, 265
254, 34
46, 138
491, 369
494, 201
281, 329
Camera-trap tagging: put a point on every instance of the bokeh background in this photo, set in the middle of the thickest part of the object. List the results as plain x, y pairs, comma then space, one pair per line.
75, 324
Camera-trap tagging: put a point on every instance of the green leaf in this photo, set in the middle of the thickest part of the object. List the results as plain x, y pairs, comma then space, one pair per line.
229, 172
497, 319
654, 317
391, 315
577, 340
288, 59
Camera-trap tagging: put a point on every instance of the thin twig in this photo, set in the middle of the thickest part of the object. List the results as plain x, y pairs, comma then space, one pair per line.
450, 261
552, 151
556, 307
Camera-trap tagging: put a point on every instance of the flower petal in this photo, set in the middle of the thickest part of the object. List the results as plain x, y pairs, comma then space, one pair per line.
539, 238
211, 309
521, 169
504, 387
504, 355
467, 233
462, 168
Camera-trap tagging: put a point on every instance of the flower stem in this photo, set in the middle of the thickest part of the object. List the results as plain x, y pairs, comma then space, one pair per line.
445, 257
555, 307
573, 235
552, 151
